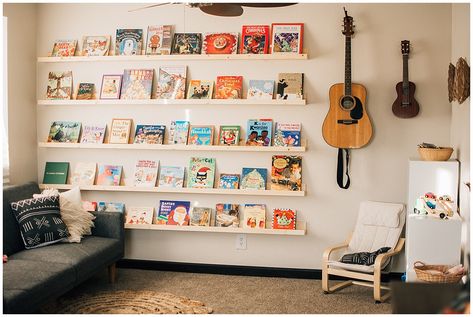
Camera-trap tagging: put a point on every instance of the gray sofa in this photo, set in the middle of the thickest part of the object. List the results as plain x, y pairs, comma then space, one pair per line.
33, 277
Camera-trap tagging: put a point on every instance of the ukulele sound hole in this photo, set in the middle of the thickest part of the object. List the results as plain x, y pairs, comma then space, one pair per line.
347, 102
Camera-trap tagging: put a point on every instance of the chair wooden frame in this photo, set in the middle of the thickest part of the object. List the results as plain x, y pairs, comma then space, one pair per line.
374, 279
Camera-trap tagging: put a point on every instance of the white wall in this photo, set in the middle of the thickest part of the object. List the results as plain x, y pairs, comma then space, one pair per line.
379, 171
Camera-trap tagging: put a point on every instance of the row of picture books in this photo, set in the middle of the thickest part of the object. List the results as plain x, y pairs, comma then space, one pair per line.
160, 40
259, 132
180, 213
137, 84
286, 174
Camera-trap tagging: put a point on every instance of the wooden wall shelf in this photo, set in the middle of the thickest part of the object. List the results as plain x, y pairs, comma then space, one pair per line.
73, 102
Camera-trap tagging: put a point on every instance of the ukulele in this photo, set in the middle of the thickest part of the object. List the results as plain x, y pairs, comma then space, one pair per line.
347, 124
405, 106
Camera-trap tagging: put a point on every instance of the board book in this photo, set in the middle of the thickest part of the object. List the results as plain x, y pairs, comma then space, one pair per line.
111, 207
227, 215
95, 45
253, 178
220, 43
84, 173
229, 181
146, 172
290, 86
120, 131
178, 132
200, 89
254, 216
59, 85
200, 135
287, 134
128, 42
229, 135
171, 82
64, 48
139, 215
64, 132
201, 172
260, 89
254, 39
56, 173
287, 38
86, 91
171, 176
93, 134
200, 216
286, 172
172, 212
259, 132
159, 40
284, 219
229, 87
149, 134
137, 84
109, 175
186, 43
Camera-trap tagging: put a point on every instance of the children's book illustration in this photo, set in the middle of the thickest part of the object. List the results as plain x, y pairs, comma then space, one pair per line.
137, 84
109, 175
95, 45
254, 39
171, 176
286, 173
229, 181
159, 40
171, 82
128, 42
110, 206
139, 215
259, 132
287, 38
290, 86
84, 173
149, 134
229, 87
200, 216
173, 212
64, 131
200, 89
187, 43
146, 172
227, 215
201, 135
111, 85
86, 91
220, 43
254, 216
287, 134
64, 48
253, 178
284, 219
178, 132
120, 131
260, 89
93, 134
59, 85
201, 172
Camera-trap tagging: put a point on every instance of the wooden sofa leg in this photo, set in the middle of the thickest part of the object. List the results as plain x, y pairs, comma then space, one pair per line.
112, 273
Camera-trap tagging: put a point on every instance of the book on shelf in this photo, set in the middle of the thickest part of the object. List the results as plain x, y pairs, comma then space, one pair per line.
286, 172
128, 42
90, 206
84, 174
186, 43
64, 48
200, 89
171, 82
201, 135
109, 175
253, 178
229, 135
159, 40
284, 219
120, 131
137, 84
200, 216
290, 86
287, 134
146, 172
201, 173
260, 89
229, 87
93, 134
229, 181
287, 37
95, 45
139, 215
64, 131
59, 85
178, 132
110, 206
220, 43
86, 91
254, 39
173, 212
227, 215
111, 85
56, 173
171, 176
259, 132
149, 134
254, 216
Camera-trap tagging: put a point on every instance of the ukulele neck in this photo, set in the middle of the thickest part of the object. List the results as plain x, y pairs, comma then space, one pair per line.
348, 65
405, 80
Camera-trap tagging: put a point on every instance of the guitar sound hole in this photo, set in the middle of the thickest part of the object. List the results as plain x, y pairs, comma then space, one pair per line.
347, 102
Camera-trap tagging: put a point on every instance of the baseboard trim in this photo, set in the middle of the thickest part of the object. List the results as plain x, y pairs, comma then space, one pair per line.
233, 269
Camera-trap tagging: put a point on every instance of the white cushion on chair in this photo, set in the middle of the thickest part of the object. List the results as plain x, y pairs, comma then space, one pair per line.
380, 214
354, 267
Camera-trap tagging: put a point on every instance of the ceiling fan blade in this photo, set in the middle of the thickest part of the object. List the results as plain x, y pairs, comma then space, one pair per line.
266, 5
223, 9
150, 6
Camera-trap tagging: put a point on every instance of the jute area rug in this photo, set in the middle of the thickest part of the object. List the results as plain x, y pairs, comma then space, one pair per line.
128, 302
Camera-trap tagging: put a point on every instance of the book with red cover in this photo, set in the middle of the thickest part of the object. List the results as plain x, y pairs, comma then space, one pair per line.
220, 43
229, 87
284, 219
254, 39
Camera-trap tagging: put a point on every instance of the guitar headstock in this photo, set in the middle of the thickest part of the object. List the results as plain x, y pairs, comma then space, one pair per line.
348, 27
405, 47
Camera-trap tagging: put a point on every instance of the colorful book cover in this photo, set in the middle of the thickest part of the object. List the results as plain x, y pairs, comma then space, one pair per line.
229, 135
109, 175
260, 89
137, 84
93, 134
171, 82
187, 43
159, 40
287, 37
201, 135
227, 215
128, 42
229, 87
90, 206
64, 131
110, 206
120, 131
178, 132
287, 134
290, 86
171, 176
229, 181
86, 91
200, 216
56, 173
111, 85
200, 89
259, 132
95, 45
84, 173
146, 172
201, 172
59, 85
64, 48
253, 178
149, 134
172, 212
220, 43
254, 39
286, 172
254, 216
139, 215
284, 219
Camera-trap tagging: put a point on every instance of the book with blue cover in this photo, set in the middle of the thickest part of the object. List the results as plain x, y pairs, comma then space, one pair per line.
128, 42
173, 212
178, 132
149, 134
260, 89
201, 135
229, 181
287, 134
259, 132
253, 178
110, 206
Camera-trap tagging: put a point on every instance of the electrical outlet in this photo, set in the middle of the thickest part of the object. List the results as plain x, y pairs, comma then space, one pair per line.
241, 241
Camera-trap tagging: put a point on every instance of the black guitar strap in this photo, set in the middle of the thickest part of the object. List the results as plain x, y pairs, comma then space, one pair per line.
340, 168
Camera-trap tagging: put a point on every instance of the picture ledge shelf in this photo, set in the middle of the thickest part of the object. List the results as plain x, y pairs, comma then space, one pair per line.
215, 191
298, 232
74, 102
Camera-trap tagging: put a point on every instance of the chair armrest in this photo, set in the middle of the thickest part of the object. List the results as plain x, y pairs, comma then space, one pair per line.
109, 225
328, 251
382, 257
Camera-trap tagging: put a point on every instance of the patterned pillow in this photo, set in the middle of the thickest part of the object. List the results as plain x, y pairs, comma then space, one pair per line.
40, 221
363, 258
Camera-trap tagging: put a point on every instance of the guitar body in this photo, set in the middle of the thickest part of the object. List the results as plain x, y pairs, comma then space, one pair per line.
347, 128
408, 108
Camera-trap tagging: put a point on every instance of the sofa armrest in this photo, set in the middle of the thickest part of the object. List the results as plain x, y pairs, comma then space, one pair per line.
109, 225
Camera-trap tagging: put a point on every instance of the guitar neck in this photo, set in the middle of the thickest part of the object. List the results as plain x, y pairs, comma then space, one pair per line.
348, 65
405, 71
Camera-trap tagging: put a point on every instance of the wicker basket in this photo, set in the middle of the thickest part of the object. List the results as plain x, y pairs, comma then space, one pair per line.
435, 273
441, 154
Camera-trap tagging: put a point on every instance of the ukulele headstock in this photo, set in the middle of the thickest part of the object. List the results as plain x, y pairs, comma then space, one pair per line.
405, 47
348, 26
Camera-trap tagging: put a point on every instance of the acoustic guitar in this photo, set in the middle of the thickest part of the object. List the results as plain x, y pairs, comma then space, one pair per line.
347, 124
405, 106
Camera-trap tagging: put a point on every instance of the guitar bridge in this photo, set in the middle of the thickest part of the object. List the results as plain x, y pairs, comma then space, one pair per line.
347, 122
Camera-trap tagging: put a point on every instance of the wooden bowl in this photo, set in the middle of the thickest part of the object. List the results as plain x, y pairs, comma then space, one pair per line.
441, 154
